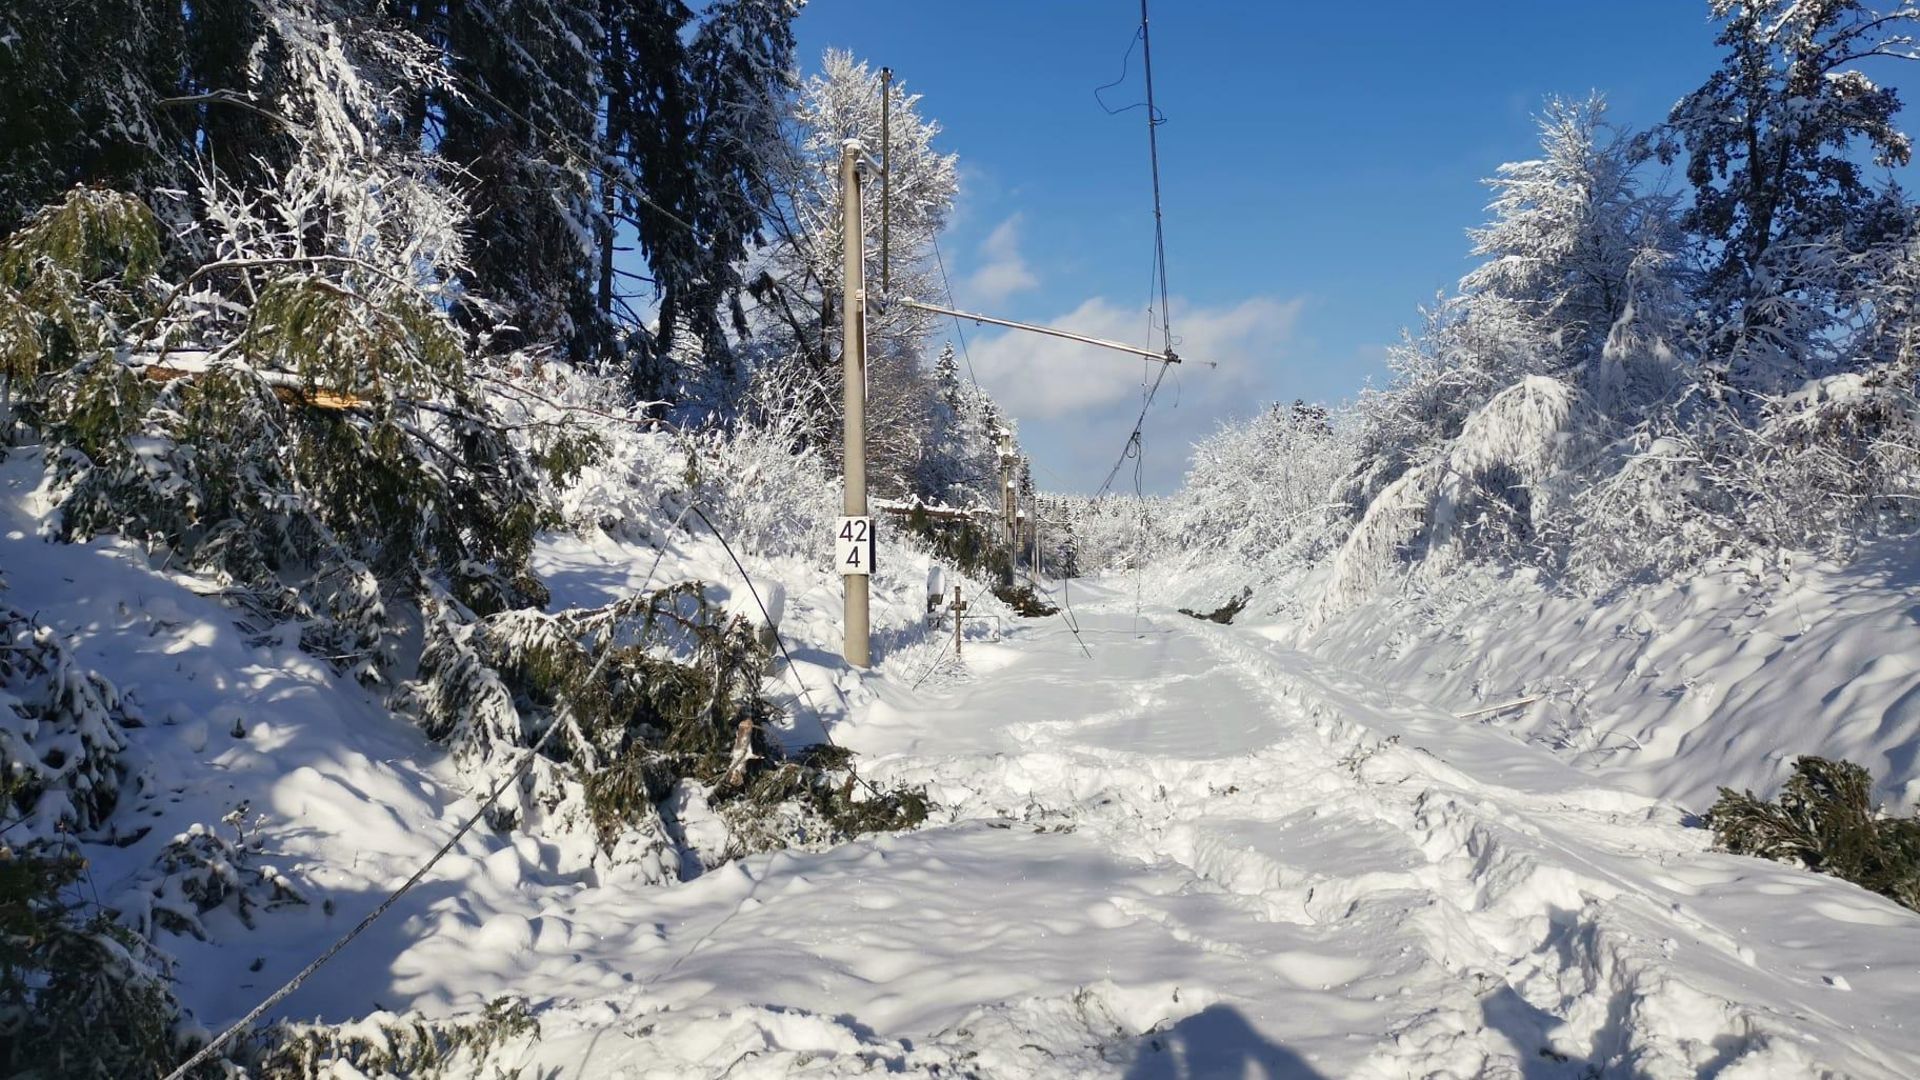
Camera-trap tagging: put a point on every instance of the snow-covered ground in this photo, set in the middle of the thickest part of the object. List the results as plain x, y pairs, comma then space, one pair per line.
1679, 688
1202, 854
1196, 852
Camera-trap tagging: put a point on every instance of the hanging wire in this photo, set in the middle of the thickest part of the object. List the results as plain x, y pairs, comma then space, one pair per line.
559, 721
946, 285
792, 670
1125, 60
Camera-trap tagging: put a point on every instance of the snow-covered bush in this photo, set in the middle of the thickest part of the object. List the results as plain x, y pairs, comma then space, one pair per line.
764, 478
1821, 471
200, 872
62, 730
80, 996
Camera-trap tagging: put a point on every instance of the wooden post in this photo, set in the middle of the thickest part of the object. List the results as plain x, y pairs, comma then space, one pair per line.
1039, 550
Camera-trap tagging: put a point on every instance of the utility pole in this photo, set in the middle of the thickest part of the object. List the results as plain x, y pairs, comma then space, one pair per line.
886, 181
853, 358
1009, 528
1039, 550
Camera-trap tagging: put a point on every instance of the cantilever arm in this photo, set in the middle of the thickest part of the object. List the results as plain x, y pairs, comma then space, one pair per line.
1166, 357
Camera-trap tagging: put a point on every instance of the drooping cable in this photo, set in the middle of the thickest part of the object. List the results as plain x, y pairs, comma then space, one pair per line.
513, 775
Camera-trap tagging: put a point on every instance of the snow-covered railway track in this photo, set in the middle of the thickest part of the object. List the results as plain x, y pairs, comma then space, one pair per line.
1492, 910
1199, 854
1578, 913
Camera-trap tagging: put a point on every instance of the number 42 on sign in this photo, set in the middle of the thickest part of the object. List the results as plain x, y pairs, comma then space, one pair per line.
853, 546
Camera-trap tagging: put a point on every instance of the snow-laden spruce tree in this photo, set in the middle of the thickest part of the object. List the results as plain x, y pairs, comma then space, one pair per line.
516, 117
80, 995
579, 132
961, 464
93, 92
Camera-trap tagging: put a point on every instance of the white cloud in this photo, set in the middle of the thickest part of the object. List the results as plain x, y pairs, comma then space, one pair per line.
1044, 378
1004, 271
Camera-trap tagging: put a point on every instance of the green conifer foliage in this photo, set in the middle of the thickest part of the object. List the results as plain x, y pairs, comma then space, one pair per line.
323, 448
1825, 819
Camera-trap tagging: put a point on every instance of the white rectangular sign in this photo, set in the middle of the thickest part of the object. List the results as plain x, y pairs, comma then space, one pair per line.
853, 546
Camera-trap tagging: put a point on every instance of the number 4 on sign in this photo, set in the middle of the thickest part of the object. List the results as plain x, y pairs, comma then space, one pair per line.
853, 546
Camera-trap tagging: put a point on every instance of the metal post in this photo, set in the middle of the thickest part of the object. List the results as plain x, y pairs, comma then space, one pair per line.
959, 613
886, 180
1039, 558
1165, 356
1007, 526
853, 357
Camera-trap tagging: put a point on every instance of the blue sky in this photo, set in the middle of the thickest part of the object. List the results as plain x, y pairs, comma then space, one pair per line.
1320, 164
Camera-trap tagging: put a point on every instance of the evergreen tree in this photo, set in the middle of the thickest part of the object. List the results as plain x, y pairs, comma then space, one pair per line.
1782, 205
741, 71
693, 129
946, 376
646, 193
517, 119
79, 83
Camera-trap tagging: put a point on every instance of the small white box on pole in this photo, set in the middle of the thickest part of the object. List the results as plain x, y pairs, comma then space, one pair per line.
853, 545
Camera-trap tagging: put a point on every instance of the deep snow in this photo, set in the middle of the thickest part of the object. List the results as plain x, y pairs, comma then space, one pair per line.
1676, 688
1199, 852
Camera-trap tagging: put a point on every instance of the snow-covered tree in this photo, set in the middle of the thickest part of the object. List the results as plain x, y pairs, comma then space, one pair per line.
1577, 283
79, 91
79, 995
1567, 332
1266, 491
1782, 203
799, 284
517, 118
297, 412
962, 465
694, 115
1574, 249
